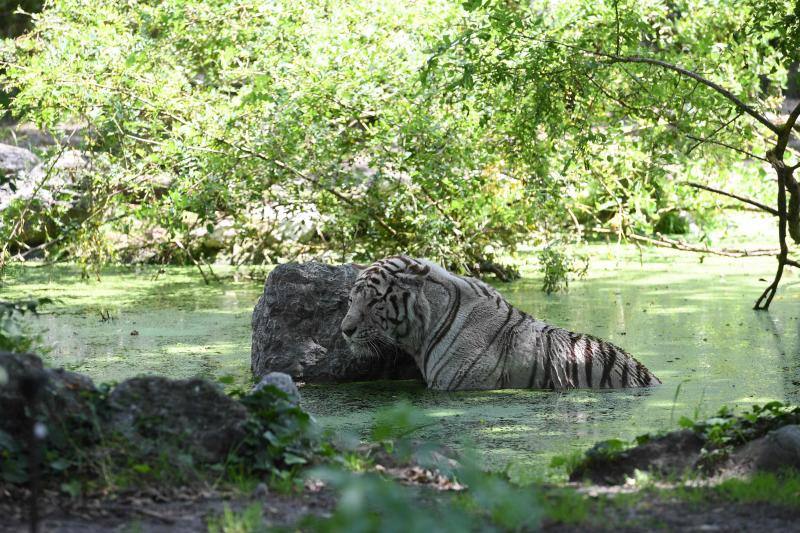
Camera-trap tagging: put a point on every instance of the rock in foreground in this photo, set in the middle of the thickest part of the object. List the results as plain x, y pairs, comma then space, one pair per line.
764, 440
192, 414
297, 329
62, 396
776, 451
144, 421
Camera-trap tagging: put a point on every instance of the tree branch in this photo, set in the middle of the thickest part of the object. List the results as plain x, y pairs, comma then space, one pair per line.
791, 262
702, 140
793, 116
786, 131
744, 199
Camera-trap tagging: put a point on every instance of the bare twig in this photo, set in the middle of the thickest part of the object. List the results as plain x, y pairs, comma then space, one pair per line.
786, 131
791, 262
710, 137
701, 140
616, 19
196, 263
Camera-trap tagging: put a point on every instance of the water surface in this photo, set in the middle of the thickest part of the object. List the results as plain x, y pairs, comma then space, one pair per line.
689, 321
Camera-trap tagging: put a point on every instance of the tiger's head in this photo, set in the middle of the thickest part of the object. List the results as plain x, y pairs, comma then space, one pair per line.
386, 308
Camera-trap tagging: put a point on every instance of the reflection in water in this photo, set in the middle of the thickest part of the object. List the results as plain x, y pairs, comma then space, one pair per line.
691, 323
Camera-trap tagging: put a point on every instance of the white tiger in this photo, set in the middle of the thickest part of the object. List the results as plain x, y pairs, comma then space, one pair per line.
464, 335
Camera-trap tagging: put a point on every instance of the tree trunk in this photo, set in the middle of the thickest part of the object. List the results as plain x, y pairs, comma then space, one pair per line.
762, 304
793, 213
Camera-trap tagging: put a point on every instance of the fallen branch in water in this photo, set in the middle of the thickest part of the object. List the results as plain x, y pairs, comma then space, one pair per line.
666, 242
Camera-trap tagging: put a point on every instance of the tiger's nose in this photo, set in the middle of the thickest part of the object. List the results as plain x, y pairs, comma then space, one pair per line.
348, 330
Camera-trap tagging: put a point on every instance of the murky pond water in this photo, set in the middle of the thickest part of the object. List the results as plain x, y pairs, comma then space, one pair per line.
690, 322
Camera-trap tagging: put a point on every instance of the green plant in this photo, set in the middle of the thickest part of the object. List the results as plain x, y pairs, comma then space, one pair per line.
15, 335
568, 462
565, 506
393, 426
558, 267
80, 456
280, 436
763, 487
725, 431
721, 434
249, 520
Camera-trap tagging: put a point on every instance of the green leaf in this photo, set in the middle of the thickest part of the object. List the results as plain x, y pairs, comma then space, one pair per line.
472, 5
60, 464
292, 459
71, 488
141, 468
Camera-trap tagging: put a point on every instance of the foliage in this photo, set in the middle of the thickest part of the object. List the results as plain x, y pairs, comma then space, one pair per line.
294, 125
602, 452
762, 487
567, 462
779, 489
397, 422
370, 502
80, 455
253, 133
67, 449
15, 336
613, 139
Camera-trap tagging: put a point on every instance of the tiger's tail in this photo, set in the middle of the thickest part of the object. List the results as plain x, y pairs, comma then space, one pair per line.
577, 360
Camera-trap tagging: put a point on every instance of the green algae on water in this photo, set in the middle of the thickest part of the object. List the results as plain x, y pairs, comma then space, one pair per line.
690, 322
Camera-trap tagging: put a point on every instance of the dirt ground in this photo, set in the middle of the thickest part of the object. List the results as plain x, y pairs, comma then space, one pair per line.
150, 513
664, 515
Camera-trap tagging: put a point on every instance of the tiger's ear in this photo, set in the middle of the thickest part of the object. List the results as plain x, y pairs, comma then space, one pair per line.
419, 270
415, 275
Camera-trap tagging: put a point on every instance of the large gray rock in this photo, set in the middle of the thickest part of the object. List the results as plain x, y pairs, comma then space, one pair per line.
297, 329
61, 182
15, 160
15, 164
191, 414
775, 451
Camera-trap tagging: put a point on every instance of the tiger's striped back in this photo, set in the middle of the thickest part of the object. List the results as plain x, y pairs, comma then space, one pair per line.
464, 335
